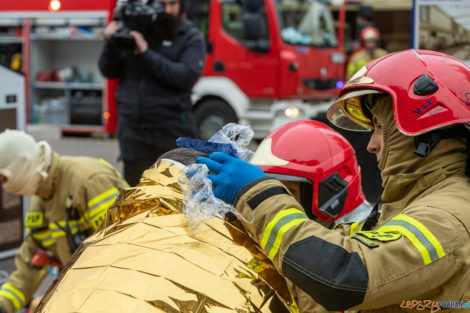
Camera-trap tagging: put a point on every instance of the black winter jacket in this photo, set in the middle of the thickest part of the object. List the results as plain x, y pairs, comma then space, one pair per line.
155, 86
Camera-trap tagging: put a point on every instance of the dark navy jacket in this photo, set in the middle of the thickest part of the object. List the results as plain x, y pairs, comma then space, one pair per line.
155, 86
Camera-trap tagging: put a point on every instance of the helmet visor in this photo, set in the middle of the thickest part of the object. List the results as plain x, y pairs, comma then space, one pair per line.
352, 110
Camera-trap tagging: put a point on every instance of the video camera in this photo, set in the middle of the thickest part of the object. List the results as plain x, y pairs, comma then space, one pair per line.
134, 15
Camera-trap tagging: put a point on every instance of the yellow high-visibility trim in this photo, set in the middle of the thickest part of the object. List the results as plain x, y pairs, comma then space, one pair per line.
280, 235
34, 219
58, 229
411, 237
269, 228
101, 197
45, 237
353, 228
13, 294
102, 208
42, 235
12, 298
58, 233
48, 243
427, 244
99, 217
432, 239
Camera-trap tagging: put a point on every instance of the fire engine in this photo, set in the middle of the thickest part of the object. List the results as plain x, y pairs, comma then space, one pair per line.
268, 62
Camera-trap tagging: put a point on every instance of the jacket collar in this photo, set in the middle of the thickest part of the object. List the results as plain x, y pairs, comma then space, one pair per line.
47, 188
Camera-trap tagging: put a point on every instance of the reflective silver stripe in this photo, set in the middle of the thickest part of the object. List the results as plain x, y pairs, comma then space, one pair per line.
419, 235
275, 230
93, 203
12, 293
58, 229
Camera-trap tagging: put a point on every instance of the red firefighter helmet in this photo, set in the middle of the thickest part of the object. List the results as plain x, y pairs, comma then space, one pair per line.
429, 90
320, 159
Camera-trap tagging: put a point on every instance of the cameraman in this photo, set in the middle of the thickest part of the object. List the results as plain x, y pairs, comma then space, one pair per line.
153, 96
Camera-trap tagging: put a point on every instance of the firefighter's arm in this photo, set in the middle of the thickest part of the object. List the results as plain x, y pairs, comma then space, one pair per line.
97, 195
178, 75
23, 282
411, 254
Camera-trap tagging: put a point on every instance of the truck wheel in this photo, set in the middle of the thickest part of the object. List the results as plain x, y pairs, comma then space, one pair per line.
211, 116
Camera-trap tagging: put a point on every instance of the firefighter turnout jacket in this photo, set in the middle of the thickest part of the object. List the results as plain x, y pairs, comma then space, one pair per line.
362, 58
419, 249
68, 206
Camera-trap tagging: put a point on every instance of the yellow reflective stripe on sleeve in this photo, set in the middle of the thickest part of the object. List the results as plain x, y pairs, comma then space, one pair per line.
41, 235
277, 244
58, 228
44, 237
34, 219
101, 201
102, 208
48, 243
274, 232
99, 217
14, 295
427, 244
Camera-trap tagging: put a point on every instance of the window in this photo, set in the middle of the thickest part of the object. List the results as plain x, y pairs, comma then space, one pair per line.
247, 22
306, 23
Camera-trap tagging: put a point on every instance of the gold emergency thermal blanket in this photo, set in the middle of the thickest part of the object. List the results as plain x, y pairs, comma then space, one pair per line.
145, 258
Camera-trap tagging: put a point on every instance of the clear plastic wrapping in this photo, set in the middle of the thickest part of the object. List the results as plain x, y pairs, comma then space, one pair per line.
200, 204
239, 135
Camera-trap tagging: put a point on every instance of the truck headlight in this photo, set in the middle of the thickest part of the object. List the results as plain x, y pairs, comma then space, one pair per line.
292, 112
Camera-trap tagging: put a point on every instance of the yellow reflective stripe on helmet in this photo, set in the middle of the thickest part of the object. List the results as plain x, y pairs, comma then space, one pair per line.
427, 244
14, 295
105, 199
274, 232
34, 219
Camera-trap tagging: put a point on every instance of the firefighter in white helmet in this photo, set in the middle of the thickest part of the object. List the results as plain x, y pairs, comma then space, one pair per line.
70, 199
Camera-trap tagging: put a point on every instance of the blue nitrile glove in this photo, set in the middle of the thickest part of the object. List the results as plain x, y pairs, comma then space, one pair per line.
231, 174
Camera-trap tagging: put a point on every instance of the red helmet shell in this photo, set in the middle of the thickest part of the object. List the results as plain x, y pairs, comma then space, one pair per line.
399, 73
312, 150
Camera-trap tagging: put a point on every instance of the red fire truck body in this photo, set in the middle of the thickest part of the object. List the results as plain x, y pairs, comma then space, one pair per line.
288, 66
268, 62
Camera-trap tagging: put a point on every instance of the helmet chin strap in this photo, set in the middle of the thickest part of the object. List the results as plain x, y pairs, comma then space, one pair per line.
424, 143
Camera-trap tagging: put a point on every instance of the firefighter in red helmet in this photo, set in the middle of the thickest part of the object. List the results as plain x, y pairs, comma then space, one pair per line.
370, 38
411, 253
319, 167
